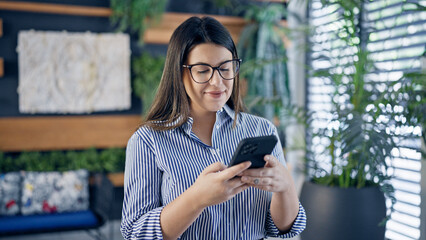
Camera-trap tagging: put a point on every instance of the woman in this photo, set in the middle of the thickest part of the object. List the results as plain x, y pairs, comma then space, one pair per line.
177, 183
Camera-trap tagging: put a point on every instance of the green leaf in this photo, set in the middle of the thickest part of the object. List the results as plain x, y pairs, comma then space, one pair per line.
148, 71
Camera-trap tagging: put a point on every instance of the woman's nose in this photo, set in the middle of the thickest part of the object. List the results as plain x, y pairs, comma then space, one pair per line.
216, 78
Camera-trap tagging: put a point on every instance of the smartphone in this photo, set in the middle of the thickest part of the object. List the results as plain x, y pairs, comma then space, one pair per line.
254, 149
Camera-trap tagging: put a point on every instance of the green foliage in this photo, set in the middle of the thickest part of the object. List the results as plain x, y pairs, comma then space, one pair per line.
108, 160
34, 162
136, 15
230, 6
359, 138
264, 63
59, 160
409, 92
112, 159
221, 3
90, 160
148, 71
73, 161
8, 164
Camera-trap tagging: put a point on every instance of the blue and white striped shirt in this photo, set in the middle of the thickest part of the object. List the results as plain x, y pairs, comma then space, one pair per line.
161, 165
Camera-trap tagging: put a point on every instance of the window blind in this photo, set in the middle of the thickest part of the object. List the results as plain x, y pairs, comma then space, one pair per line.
395, 35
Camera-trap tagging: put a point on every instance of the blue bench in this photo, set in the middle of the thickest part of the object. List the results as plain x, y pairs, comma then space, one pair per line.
101, 193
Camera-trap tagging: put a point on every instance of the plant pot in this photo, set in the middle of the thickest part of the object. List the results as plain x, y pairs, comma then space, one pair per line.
342, 213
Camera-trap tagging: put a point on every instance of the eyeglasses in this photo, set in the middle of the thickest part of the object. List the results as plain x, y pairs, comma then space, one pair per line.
202, 72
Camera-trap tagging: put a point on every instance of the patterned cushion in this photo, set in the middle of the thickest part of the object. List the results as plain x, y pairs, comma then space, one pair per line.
49, 192
9, 193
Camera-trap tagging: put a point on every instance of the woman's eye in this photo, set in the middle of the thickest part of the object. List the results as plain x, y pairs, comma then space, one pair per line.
224, 69
202, 72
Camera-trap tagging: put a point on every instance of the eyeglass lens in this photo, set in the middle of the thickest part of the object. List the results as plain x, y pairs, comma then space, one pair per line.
227, 70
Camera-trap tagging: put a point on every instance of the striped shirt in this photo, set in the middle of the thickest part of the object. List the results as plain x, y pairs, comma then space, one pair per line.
161, 165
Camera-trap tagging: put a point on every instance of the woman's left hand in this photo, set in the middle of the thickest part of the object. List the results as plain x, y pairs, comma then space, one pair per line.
274, 177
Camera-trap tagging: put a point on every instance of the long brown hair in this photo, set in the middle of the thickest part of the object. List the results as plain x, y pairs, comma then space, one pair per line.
170, 108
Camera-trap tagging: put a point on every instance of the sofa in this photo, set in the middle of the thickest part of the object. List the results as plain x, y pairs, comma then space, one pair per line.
42, 202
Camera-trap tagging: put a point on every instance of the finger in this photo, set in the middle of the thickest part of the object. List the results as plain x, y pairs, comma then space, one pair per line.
240, 189
235, 170
271, 161
235, 182
215, 167
256, 181
257, 172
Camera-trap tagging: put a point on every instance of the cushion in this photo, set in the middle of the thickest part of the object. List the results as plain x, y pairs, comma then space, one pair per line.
9, 193
51, 192
48, 222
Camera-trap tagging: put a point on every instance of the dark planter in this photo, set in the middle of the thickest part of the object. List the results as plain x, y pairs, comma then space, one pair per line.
337, 213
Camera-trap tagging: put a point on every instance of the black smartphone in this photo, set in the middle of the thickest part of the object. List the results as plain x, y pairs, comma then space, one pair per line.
254, 149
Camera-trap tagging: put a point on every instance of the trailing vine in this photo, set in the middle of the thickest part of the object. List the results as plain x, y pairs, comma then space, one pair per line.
136, 15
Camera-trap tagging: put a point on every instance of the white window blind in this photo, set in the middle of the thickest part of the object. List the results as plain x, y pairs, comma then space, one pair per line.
396, 42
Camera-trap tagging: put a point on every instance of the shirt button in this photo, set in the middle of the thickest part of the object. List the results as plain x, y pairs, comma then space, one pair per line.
217, 126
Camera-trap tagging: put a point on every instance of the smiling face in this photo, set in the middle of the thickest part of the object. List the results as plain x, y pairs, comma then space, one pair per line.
211, 96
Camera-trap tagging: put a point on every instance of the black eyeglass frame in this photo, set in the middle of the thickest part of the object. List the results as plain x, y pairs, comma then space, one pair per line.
214, 68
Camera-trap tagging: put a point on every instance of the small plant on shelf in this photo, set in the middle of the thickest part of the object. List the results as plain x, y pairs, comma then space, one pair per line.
136, 15
147, 71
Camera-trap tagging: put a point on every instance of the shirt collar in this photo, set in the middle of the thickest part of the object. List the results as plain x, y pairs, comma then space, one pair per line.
187, 127
221, 115
228, 111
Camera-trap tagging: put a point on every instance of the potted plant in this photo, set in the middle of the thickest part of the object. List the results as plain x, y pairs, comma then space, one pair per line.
264, 71
349, 173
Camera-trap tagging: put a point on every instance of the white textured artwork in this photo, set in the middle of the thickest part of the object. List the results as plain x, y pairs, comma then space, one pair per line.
63, 72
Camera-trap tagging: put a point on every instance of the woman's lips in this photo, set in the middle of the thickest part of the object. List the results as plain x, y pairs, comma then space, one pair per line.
215, 94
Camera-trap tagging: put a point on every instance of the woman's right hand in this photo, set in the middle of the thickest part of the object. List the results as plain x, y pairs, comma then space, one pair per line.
218, 183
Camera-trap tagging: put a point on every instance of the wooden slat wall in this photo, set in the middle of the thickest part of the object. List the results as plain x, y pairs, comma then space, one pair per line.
80, 132
157, 34
66, 132
77, 132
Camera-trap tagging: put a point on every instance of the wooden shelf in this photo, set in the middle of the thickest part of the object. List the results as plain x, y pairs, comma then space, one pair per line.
161, 32
117, 179
66, 132
55, 8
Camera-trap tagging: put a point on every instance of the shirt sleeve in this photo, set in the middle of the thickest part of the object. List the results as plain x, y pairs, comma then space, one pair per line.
300, 222
298, 225
142, 192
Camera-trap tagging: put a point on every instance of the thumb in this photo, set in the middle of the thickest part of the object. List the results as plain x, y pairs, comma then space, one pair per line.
215, 167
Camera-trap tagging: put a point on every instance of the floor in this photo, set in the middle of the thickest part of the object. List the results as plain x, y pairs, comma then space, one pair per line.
110, 231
